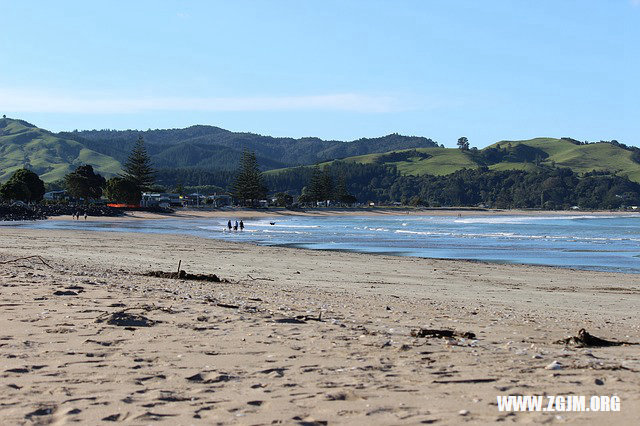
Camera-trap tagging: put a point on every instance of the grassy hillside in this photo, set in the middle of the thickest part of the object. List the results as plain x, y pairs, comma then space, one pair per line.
583, 158
517, 155
25, 145
437, 161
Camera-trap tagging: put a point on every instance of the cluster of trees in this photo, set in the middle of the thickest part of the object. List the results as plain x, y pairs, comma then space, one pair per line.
346, 182
138, 175
85, 183
23, 185
322, 187
366, 182
396, 156
517, 154
549, 188
194, 177
249, 185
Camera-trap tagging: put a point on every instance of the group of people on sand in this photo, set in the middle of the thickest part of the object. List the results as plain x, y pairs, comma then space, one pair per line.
236, 226
76, 215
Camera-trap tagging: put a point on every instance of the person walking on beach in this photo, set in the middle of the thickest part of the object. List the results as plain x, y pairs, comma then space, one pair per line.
241, 225
85, 215
235, 227
229, 225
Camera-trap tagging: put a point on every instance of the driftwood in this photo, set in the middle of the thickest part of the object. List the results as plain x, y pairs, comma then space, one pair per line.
427, 332
586, 340
487, 380
259, 278
224, 305
290, 321
65, 293
299, 319
27, 258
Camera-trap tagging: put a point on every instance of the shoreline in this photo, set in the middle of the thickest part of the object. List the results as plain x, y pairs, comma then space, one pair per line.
251, 213
400, 252
297, 246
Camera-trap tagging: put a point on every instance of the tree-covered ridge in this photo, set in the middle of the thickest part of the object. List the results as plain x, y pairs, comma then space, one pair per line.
214, 148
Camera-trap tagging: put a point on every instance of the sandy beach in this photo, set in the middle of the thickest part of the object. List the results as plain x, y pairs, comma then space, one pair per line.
297, 336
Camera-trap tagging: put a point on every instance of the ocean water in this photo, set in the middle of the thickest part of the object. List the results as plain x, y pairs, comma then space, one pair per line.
602, 243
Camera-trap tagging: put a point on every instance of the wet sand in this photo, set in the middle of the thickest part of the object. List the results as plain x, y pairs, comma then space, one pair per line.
252, 351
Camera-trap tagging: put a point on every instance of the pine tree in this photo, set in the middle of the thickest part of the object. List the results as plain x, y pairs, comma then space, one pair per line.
315, 189
138, 169
463, 143
342, 193
120, 190
327, 185
249, 186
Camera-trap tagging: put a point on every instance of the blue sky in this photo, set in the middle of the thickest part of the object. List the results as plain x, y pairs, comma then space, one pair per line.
488, 70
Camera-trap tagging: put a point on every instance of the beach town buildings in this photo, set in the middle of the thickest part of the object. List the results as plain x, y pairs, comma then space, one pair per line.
160, 200
56, 195
176, 200
221, 200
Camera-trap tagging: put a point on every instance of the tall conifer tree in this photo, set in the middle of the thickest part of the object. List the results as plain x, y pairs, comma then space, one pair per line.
249, 186
315, 190
138, 168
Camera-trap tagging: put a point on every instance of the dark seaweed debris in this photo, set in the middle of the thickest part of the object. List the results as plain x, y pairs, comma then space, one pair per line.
427, 332
125, 319
586, 340
182, 275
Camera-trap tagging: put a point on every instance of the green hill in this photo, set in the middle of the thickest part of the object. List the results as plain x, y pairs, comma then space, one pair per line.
25, 145
208, 148
205, 148
435, 161
601, 156
510, 155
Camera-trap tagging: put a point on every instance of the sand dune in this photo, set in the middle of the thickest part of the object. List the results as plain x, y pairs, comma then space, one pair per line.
295, 336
